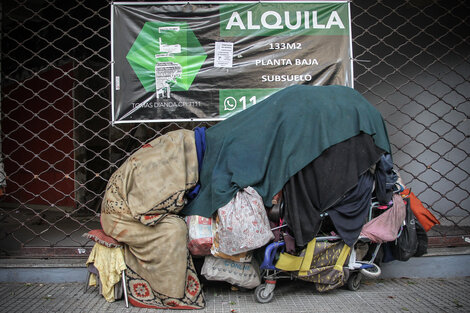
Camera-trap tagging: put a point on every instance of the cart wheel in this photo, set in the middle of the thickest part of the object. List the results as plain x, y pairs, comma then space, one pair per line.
354, 281
261, 297
372, 272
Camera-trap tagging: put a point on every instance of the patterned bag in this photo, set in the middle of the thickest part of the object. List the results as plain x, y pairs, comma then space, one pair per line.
243, 223
199, 234
239, 257
245, 275
321, 263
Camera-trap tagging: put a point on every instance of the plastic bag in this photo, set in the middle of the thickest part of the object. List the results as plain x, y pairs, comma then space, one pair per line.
239, 257
245, 275
199, 235
423, 215
243, 223
406, 244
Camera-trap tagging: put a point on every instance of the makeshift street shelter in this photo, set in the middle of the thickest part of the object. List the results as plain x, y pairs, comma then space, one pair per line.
325, 148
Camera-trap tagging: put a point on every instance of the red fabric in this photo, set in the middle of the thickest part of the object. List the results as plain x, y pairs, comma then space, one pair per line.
424, 216
99, 236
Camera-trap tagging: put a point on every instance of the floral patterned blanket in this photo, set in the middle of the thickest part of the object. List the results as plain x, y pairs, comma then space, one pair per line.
140, 207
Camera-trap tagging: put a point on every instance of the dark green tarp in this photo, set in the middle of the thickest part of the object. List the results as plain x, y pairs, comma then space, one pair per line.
265, 145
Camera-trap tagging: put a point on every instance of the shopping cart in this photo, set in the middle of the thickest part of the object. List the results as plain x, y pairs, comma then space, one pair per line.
356, 269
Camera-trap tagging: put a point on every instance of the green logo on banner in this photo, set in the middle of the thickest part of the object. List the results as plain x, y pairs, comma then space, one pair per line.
166, 55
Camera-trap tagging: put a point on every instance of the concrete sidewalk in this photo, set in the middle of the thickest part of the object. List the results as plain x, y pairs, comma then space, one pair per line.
381, 295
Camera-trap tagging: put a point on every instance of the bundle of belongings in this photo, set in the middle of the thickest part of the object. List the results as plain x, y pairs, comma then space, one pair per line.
210, 193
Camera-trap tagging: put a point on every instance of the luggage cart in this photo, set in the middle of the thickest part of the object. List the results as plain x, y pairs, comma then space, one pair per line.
357, 269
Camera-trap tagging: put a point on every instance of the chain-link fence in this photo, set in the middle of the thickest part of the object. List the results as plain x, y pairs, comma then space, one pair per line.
59, 146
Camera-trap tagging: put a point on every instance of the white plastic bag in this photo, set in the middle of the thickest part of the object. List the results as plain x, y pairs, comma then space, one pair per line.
239, 257
243, 223
199, 234
245, 275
